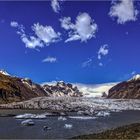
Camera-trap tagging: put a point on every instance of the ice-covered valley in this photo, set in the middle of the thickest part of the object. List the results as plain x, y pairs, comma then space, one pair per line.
90, 104
80, 105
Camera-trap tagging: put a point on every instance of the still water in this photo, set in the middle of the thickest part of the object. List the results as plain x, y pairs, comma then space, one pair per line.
11, 127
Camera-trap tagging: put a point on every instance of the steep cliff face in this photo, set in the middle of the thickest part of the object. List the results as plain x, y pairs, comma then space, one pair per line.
126, 90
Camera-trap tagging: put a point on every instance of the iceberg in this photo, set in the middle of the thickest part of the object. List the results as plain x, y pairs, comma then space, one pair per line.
62, 118
28, 122
68, 126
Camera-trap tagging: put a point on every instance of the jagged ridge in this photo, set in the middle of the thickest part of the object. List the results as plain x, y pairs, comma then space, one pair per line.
14, 89
61, 88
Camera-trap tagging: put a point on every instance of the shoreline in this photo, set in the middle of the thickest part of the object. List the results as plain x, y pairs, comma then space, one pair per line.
131, 131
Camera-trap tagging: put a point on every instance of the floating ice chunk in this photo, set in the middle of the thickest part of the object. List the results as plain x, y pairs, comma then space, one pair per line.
28, 122
68, 126
45, 128
82, 117
31, 116
62, 118
102, 114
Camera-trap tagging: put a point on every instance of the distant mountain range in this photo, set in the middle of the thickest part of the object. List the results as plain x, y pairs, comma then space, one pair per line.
126, 90
14, 89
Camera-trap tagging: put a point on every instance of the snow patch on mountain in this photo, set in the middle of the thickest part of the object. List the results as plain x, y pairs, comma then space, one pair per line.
135, 77
4, 72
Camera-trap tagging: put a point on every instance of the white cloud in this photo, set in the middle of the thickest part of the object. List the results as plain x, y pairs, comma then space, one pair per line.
31, 42
42, 35
83, 29
50, 59
46, 33
103, 51
20, 27
55, 6
124, 11
66, 23
14, 24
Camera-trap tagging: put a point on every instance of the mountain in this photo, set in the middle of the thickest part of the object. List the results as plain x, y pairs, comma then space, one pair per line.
4, 72
126, 90
135, 77
61, 89
14, 89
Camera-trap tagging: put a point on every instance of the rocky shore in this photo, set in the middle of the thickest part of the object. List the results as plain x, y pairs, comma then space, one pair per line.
131, 131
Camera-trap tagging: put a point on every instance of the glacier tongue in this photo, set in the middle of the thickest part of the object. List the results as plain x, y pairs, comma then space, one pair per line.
95, 90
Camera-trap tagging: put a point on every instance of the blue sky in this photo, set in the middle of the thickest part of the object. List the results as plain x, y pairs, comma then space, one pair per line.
75, 41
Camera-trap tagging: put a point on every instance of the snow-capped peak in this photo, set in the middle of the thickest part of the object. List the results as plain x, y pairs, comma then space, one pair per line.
136, 77
4, 72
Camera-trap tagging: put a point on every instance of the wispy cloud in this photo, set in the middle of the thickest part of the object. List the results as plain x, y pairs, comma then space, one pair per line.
100, 64
124, 11
87, 63
103, 51
83, 29
50, 59
14, 24
55, 6
42, 35
133, 72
